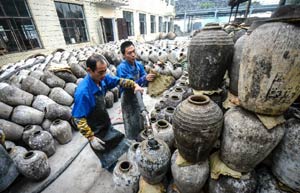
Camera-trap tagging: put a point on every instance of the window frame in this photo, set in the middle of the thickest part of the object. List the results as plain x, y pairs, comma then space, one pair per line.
153, 23
18, 32
74, 28
143, 24
129, 24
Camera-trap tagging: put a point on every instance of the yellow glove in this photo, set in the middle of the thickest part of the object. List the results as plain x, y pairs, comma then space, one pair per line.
2, 137
127, 83
84, 128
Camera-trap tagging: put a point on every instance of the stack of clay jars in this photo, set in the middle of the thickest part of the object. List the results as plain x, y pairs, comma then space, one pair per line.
269, 83
197, 124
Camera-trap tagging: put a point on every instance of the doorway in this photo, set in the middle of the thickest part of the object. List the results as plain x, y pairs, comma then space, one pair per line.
107, 28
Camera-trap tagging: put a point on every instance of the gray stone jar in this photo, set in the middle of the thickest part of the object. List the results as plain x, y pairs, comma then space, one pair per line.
29, 130
286, 156
225, 184
43, 141
197, 123
163, 130
61, 130
34, 165
191, 178
126, 177
246, 142
153, 158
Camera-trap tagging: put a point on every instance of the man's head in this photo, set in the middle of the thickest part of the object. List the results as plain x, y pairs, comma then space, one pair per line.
128, 51
96, 66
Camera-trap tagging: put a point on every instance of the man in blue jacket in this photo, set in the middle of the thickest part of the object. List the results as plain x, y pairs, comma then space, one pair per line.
131, 69
89, 110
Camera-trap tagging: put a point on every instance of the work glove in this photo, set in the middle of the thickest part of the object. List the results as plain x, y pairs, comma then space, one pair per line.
97, 144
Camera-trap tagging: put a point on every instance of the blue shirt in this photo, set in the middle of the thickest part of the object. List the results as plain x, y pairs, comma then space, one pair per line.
84, 95
135, 72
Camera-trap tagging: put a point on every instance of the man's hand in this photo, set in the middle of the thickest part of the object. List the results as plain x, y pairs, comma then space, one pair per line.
137, 88
150, 77
97, 144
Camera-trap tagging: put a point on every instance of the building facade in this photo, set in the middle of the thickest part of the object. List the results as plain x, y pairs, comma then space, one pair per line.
28, 27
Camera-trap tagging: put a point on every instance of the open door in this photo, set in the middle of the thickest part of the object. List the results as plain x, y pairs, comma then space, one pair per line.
122, 28
107, 29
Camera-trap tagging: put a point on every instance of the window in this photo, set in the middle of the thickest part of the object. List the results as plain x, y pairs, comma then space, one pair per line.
72, 22
128, 16
153, 24
143, 29
17, 30
160, 23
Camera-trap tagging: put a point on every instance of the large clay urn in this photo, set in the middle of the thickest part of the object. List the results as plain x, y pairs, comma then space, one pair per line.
8, 170
286, 156
209, 54
269, 79
153, 158
246, 141
126, 177
234, 67
197, 123
190, 178
226, 184
14, 96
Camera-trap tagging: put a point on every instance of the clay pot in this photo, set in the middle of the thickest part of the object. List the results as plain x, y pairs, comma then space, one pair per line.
197, 123
171, 35
8, 170
126, 177
34, 86
245, 141
14, 96
267, 182
70, 88
46, 124
153, 56
109, 99
16, 153
60, 96
209, 54
269, 79
41, 102
9, 144
177, 72
61, 130
5, 111
286, 159
35, 165
234, 68
25, 115
191, 178
43, 141
66, 76
169, 112
157, 114
116, 93
173, 100
225, 184
11, 130
163, 130
37, 74
29, 130
52, 80
153, 157
57, 111
132, 152
77, 70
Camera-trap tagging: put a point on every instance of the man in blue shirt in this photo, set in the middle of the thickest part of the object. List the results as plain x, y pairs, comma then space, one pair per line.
131, 69
89, 110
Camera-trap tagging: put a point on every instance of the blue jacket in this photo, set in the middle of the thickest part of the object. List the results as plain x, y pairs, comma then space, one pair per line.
84, 94
136, 73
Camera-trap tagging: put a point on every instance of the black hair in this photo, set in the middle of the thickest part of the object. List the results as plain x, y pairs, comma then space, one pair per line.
125, 45
91, 62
